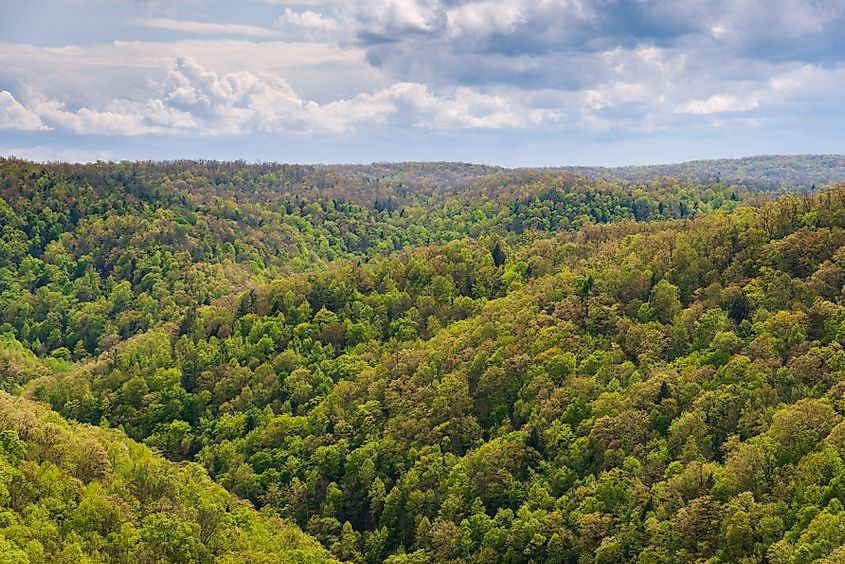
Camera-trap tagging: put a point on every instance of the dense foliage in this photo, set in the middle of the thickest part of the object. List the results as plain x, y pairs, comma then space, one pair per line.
537, 367
79, 494
766, 173
93, 254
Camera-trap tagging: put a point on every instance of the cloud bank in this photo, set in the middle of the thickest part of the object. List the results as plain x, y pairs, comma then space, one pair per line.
589, 69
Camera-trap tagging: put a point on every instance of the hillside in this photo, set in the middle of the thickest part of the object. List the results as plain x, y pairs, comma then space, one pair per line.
93, 254
766, 173
539, 367
76, 493
666, 391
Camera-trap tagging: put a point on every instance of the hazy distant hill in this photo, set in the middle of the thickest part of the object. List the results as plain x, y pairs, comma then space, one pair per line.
770, 172
766, 173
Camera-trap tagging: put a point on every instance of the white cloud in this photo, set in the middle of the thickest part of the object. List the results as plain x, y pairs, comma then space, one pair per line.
205, 28
243, 102
196, 101
13, 115
720, 103
416, 105
312, 23
391, 17
237, 103
484, 18
119, 118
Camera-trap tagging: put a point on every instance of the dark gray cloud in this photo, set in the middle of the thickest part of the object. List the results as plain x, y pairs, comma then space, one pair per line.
515, 41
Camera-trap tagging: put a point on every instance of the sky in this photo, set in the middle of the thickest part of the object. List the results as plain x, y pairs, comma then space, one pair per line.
513, 83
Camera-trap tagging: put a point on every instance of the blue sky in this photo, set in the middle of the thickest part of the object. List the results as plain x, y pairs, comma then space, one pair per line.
519, 82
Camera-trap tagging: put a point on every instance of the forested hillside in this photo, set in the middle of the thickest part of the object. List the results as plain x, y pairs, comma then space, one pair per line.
74, 493
93, 254
766, 173
425, 363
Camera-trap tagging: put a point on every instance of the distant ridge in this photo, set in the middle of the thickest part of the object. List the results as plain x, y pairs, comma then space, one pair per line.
763, 172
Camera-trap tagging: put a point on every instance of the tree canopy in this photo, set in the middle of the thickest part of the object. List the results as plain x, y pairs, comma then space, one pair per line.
418, 363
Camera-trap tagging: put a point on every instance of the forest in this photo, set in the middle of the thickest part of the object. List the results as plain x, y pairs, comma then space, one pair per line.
211, 361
